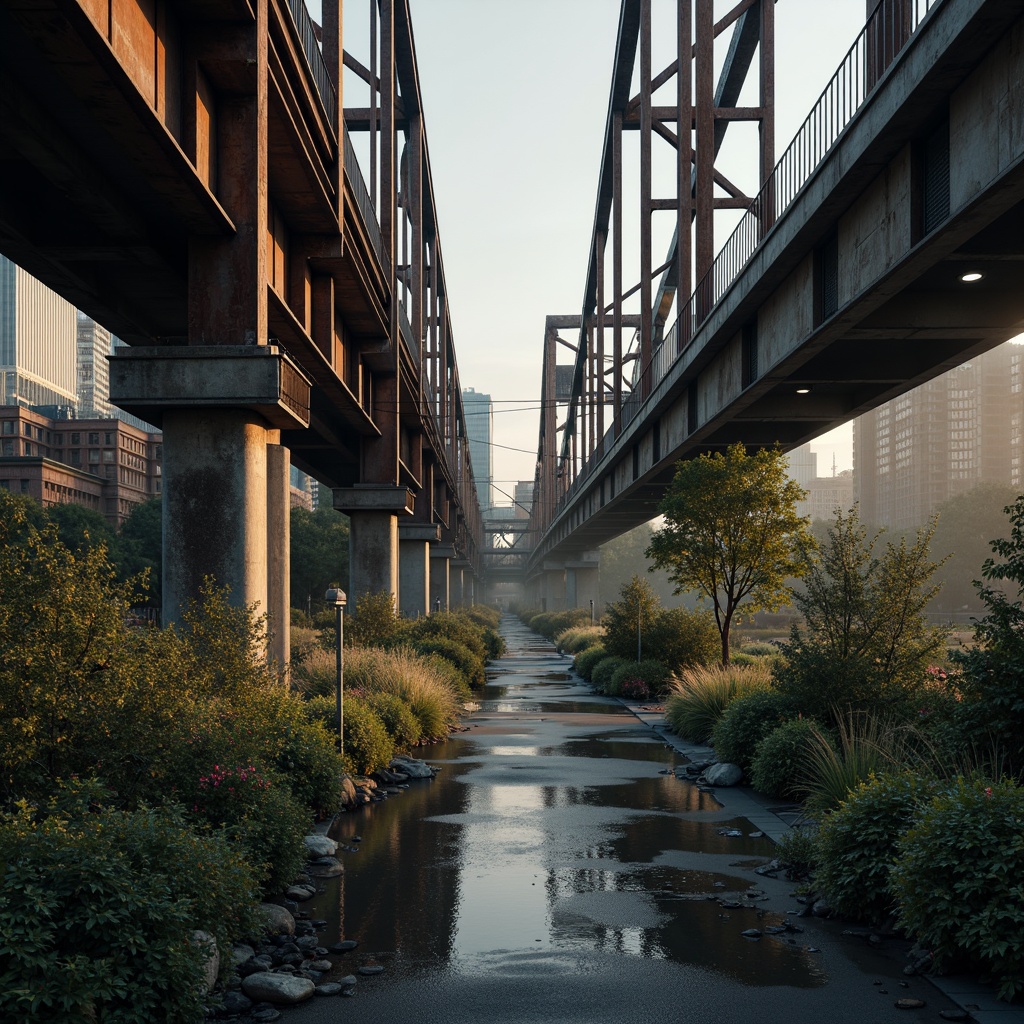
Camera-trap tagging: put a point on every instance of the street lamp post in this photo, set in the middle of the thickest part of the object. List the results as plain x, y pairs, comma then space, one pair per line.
335, 597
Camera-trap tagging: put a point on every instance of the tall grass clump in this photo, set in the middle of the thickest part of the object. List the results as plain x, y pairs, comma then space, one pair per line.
868, 745
578, 638
420, 683
698, 696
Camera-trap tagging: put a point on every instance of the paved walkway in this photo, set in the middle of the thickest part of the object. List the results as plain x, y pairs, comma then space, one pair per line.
776, 821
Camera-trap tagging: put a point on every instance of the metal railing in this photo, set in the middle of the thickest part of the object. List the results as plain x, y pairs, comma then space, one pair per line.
362, 197
314, 58
888, 30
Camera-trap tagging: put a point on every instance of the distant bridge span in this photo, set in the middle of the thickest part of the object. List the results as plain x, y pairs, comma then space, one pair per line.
841, 288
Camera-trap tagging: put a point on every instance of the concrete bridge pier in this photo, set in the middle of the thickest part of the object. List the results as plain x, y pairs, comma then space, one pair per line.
373, 512
441, 556
225, 473
414, 541
581, 581
552, 586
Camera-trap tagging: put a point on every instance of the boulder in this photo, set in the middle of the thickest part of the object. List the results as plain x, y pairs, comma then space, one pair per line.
208, 944
278, 920
413, 768
320, 846
281, 989
327, 867
723, 774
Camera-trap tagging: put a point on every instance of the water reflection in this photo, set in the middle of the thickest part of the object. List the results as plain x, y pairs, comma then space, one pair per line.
545, 840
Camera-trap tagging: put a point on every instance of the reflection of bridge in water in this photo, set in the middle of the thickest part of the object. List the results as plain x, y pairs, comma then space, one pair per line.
185, 173
882, 249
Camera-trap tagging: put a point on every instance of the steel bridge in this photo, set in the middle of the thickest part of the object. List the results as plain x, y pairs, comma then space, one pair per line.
185, 172
882, 248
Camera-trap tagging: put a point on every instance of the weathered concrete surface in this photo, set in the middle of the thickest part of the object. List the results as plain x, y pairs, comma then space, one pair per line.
558, 871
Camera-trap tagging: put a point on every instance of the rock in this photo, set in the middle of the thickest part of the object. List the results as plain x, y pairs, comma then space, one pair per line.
348, 791
349, 981
240, 953
723, 774
954, 1015
319, 965
821, 908
278, 920
370, 969
281, 989
255, 966
300, 892
413, 768
320, 846
236, 1002
266, 1016
343, 947
751, 933
909, 1004
308, 942
211, 967
328, 988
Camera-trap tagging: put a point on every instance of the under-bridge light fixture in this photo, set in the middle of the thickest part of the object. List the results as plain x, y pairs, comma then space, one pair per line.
804, 389
971, 277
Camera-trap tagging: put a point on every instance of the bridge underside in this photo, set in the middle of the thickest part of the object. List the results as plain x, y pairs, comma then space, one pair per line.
856, 295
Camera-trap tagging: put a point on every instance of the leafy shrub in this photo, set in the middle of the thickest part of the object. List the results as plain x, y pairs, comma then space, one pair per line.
449, 626
746, 721
856, 844
579, 638
367, 743
797, 853
469, 665
650, 675
958, 878
484, 615
635, 689
550, 624
401, 724
601, 675
684, 638
760, 648
271, 835
373, 621
698, 697
779, 766
868, 745
585, 662
97, 908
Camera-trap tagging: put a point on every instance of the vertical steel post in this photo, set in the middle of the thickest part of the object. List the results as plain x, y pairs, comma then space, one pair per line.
646, 250
684, 174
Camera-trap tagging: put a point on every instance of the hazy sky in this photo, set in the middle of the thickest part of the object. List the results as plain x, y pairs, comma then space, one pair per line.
515, 96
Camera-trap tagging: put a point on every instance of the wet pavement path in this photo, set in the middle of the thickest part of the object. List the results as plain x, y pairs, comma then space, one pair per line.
553, 873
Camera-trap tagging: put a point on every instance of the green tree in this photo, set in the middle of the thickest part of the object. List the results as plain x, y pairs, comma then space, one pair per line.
623, 557
731, 532
966, 525
991, 678
628, 620
79, 527
319, 550
865, 643
140, 545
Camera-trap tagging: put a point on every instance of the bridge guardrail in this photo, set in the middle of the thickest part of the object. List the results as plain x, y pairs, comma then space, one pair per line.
315, 59
362, 197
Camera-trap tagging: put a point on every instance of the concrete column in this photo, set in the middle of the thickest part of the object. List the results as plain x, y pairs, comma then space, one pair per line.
279, 522
581, 582
553, 587
414, 540
455, 585
215, 506
225, 476
440, 563
373, 553
469, 589
373, 512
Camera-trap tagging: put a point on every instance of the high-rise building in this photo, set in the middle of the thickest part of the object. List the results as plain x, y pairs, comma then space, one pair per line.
959, 430
479, 411
94, 345
825, 494
37, 342
524, 499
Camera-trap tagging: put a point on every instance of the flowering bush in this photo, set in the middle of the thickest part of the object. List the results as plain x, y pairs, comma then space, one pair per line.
635, 689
